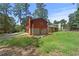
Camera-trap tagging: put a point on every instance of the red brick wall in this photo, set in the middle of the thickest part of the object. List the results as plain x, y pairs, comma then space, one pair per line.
38, 23
27, 27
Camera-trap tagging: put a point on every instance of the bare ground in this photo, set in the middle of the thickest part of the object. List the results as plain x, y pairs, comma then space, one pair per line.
18, 51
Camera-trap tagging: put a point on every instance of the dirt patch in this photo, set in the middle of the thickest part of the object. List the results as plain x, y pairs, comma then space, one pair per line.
18, 51
56, 53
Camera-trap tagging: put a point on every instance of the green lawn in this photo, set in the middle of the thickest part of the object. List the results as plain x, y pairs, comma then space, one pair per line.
60, 43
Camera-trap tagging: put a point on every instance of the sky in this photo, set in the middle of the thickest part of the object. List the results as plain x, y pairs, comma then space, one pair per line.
57, 11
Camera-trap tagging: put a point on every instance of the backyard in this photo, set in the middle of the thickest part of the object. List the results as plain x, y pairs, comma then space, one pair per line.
57, 43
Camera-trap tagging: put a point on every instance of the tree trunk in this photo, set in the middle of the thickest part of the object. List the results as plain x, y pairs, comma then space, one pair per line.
20, 19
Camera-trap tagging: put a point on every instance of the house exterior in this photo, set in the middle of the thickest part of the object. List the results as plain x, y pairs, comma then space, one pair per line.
52, 28
36, 26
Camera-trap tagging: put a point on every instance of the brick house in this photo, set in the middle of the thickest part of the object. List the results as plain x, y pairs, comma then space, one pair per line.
36, 26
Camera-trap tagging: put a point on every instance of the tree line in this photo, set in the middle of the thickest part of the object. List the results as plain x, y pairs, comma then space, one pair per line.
73, 22
9, 12
8, 23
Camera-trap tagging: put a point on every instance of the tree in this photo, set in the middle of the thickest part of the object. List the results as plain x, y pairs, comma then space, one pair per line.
26, 9
77, 6
7, 23
49, 22
23, 24
74, 20
5, 8
40, 12
56, 22
71, 20
12, 24
20, 10
63, 23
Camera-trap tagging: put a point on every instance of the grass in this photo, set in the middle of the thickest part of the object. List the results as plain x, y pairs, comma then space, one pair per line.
20, 41
60, 43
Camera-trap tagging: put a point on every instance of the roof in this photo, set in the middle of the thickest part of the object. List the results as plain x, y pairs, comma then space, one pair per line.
39, 19
32, 19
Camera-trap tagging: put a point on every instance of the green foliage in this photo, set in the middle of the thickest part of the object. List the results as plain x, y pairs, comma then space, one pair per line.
74, 20
63, 23
7, 23
5, 8
23, 24
40, 12
17, 28
21, 10
56, 22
